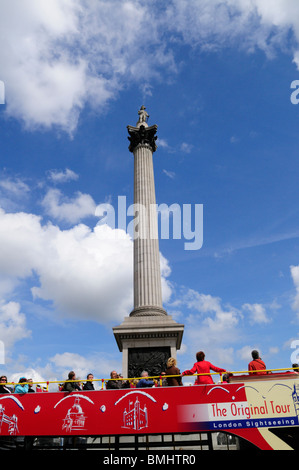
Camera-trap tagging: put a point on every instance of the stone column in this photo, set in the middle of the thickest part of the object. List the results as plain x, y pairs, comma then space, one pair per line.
147, 274
148, 336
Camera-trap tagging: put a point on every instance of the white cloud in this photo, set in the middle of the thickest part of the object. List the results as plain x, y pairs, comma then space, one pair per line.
99, 364
68, 360
87, 273
21, 240
186, 148
13, 192
65, 209
273, 350
245, 353
284, 13
15, 187
57, 176
257, 313
210, 326
84, 273
162, 143
170, 174
12, 326
43, 83
249, 24
218, 318
28, 373
58, 56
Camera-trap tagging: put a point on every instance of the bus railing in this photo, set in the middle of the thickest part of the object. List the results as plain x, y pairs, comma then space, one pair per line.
158, 379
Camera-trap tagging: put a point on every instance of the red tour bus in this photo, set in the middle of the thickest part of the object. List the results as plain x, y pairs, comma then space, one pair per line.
255, 411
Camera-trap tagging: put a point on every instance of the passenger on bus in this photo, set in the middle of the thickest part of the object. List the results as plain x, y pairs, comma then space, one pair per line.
30, 385
202, 367
3, 387
71, 386
22, 387
125, 383
133, 383
225, 378
145, 381
171, 371
89, 385
256, 365
295, 369
115, 383
162, 382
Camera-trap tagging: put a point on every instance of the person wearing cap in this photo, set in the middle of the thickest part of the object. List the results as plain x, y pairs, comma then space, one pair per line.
256, 366
22, 386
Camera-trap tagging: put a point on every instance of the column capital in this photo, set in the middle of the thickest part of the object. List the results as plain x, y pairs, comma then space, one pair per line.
142, 135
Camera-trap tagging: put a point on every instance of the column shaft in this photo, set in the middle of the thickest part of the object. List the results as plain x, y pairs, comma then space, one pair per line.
147, 274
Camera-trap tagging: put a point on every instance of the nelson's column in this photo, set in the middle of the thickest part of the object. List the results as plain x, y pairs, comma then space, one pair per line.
148, 336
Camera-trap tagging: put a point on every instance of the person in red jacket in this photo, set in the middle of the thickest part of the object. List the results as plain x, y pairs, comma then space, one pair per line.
202, 367
256, 364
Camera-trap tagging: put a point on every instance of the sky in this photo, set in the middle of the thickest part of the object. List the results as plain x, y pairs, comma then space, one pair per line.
220, 79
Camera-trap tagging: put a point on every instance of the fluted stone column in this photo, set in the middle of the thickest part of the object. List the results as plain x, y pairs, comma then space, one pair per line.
148, 336
147, 274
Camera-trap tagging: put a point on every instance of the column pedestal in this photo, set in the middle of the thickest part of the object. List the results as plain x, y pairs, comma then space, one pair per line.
146, 343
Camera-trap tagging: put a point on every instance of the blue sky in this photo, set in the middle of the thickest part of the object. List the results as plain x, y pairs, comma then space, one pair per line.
216, 78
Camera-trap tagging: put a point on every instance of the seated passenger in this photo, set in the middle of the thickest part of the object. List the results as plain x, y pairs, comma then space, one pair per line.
125, 383
71, 386
89, 385
133, 383
163, 380
172, 370
225, 378
115, 383
22, 387
30, 385
3, 387
256, 365
145, 381
202, 367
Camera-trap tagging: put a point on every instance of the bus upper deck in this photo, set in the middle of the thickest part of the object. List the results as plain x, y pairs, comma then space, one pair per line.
256, 408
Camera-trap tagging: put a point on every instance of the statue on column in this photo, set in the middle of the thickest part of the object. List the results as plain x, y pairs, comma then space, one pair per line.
143, 117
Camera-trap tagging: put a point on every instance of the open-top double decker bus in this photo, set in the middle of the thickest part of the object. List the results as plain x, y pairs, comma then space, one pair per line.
256, 411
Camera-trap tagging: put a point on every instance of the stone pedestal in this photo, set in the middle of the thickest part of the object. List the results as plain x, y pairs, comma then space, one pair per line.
146, 343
